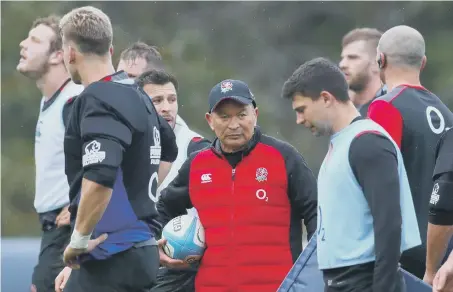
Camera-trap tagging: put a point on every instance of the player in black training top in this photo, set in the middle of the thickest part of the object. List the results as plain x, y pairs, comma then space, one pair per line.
416, 119
113, 148
441, 207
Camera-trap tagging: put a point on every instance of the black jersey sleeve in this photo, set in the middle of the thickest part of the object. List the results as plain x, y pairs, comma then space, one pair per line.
105, 137
175, 198
374, 162
197, 144
168, 141
67, 107
441, 202
302, 189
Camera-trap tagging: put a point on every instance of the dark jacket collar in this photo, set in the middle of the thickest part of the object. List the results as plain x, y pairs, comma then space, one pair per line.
215, 146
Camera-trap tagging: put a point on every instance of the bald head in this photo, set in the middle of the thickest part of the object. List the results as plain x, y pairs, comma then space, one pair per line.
403, 46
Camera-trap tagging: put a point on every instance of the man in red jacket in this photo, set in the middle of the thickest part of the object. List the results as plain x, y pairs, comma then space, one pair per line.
251, 192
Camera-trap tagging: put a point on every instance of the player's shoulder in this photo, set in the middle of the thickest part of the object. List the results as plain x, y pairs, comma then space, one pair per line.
286, 150
72, 89
391, 95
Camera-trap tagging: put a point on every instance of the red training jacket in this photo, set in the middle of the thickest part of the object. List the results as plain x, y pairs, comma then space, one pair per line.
251, 213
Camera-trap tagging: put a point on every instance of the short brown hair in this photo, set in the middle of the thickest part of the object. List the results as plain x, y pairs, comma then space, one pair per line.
158, 77
369, 35
141, 50
89, 28
53, 22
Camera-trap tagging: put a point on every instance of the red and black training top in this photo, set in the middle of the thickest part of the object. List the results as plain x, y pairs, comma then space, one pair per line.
416, 119
251, 204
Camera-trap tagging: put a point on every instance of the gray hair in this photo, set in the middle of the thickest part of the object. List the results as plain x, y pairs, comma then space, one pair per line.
403, 46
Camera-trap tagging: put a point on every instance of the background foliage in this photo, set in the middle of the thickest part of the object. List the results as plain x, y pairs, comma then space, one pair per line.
261, 43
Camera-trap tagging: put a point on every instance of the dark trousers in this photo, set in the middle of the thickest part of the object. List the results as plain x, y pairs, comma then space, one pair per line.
133, 270
50, 261
169, 280
358, 278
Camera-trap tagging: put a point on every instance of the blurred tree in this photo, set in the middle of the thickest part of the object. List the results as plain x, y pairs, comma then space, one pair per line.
203, 43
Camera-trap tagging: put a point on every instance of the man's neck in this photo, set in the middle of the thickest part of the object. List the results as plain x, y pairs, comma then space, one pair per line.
397, 77
347, 113
368, 93
96, 69
50, 82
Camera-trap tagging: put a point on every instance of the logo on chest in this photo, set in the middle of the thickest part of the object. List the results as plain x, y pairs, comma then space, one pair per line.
261, 174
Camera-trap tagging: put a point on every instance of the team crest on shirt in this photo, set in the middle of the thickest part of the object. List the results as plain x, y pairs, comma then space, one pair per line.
261, 174
155, 150
226, 86
93, 154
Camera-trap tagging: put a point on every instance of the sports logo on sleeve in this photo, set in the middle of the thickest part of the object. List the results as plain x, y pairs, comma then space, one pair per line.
155, 150
93, 154
435, 195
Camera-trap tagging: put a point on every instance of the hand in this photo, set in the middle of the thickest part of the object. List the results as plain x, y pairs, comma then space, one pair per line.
62, 278
167, 261
428, 278
63, 218
70, 254
443, 281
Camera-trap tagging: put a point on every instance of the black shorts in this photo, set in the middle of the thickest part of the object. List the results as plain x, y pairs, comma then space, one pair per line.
358, 278
169, 280
133, 270
50, 260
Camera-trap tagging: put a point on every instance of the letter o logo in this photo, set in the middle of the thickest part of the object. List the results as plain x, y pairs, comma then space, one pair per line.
429, 110
261, 195
153, 178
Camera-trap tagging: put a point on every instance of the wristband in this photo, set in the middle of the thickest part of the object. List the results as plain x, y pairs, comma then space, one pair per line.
79, 241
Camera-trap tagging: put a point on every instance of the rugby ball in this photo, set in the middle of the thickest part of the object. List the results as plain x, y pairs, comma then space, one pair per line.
185, 239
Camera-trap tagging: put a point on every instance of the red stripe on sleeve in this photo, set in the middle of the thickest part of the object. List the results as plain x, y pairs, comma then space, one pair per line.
196, 139
389, 117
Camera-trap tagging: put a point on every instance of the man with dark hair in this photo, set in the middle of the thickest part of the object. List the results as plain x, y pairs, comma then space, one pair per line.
162, 88
113, 146
441, 209
138, 58
416, 119
251, 206
358, 63
363, 222
41, 59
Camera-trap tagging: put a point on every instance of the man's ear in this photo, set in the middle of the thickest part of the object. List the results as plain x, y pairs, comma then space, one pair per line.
72, 55
256, 115
111, 50
424, 60
208, 117
56, 57
327, 98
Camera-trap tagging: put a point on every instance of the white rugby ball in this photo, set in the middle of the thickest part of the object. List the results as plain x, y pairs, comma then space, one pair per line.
185, 239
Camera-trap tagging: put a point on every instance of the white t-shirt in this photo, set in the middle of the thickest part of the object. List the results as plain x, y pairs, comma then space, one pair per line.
51, 185
183, 137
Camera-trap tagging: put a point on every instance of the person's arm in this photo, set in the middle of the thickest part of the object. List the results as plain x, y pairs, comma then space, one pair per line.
167, 141
104, 139
169, 150
373, 159
197, 144
440, 220
389, 117
175, 198
302, 189
440, 225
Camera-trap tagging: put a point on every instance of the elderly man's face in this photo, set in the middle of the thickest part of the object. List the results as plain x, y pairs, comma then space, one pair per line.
233, 123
